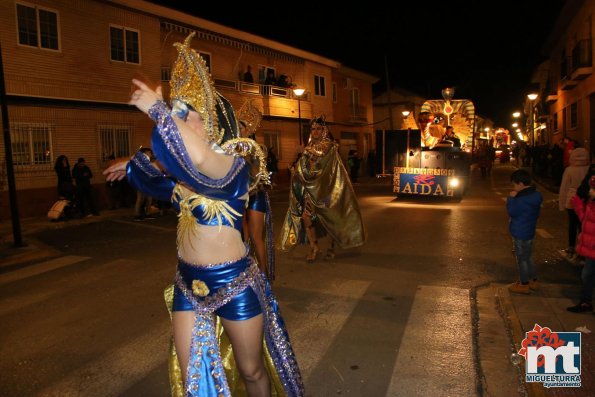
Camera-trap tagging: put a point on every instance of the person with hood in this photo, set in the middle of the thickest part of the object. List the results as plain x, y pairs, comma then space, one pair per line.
585, 210
523, 206
571, 180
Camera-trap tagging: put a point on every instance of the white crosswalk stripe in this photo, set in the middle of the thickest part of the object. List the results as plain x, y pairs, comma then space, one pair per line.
40, 268
114, 372
323, 317
435, 353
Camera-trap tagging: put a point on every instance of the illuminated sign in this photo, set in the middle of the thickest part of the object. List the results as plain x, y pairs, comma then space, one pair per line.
422, 181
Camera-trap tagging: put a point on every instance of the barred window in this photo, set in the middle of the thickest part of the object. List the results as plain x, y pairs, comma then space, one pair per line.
31, 145
124, 45
114, 140
37, 27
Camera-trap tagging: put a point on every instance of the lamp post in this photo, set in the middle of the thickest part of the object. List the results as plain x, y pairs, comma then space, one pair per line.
532, 97
405, 114
298, 92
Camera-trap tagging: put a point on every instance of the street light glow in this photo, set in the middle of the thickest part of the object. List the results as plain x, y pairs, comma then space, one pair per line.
532, 96
405, 113
516, 115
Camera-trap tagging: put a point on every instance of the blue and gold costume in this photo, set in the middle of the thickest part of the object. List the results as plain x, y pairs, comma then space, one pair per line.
235, 290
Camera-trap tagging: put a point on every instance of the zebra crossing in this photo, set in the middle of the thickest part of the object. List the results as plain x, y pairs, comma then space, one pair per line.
433, 357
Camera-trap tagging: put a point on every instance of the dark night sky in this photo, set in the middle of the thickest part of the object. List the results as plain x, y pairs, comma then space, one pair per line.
486, 50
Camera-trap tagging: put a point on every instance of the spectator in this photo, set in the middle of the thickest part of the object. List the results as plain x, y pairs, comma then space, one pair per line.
353, 161
270, 79
248, 75
272, 165
65, 186
82, 175
568, 145
585, 210
523, 206
571, 180
143, 201
371, 162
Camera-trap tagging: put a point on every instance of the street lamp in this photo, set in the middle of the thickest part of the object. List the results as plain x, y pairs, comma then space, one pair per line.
298, 93
532, 97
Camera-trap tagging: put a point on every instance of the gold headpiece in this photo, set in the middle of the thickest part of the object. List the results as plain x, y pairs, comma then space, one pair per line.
250, 116
191, 84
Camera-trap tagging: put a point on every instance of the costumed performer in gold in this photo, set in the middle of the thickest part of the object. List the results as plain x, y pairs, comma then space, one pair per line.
208, 181
258, 221
321, 201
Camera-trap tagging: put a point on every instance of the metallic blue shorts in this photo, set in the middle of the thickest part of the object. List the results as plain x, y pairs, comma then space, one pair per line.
243, 306
258, 201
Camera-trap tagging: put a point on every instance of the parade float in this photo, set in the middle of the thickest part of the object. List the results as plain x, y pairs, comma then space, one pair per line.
423, 162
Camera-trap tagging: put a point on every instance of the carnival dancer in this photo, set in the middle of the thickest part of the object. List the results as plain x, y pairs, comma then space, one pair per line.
322, 201
258, 221
208, 181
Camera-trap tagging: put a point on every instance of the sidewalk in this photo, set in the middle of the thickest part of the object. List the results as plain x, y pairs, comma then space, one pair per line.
34, 250
502, 370
546, 307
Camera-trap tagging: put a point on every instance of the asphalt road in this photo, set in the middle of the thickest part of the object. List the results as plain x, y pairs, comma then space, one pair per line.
392, 318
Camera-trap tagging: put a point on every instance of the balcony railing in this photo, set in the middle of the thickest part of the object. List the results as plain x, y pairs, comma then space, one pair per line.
582, 59
582, 54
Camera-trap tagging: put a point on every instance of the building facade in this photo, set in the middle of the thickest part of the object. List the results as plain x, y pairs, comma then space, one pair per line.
566, 103
67, 71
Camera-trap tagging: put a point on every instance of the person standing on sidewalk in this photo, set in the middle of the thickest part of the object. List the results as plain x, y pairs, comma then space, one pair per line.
82, 175
571, 180
585, 210
523, 206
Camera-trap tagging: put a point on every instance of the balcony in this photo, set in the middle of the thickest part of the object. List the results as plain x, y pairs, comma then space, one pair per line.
551, 98
567, 83
582, 60
551, 94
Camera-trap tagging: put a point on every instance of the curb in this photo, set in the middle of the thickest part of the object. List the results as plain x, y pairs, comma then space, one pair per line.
514, 325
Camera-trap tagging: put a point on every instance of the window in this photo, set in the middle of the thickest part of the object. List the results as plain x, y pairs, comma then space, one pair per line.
355, 97
334, 92
574, 115
319, 86
114, 140
271, 141
555, 122
37, 27
124, 45
31, 144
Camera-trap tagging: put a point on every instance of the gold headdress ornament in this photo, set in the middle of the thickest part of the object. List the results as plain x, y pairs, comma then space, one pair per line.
250, 116
319, 148
191, 84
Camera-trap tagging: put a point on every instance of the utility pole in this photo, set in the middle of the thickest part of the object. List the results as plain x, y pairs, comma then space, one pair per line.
12, 189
